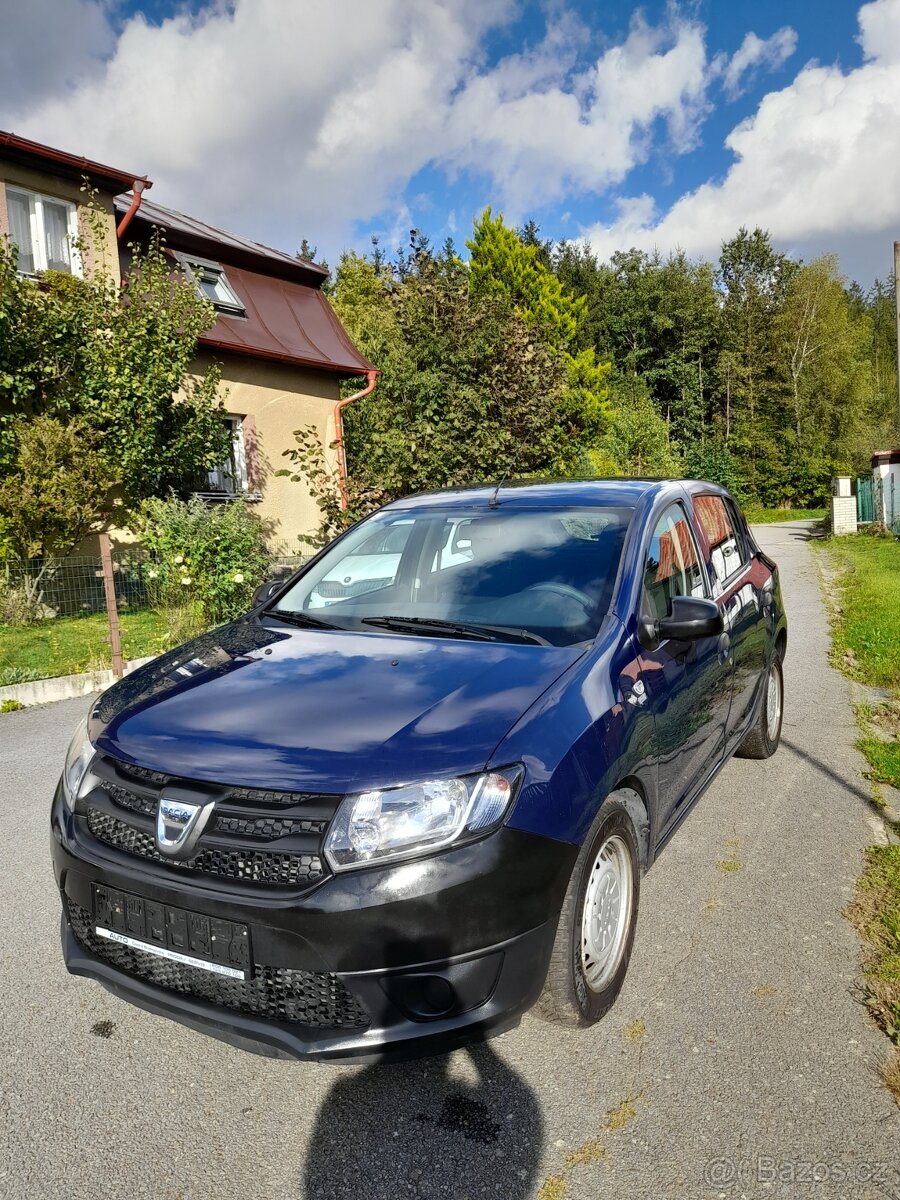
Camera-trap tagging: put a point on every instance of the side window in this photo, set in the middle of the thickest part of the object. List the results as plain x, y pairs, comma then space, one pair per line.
727, 551
673, 562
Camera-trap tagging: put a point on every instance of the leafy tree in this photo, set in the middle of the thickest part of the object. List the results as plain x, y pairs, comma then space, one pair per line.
468, 392
118, 360
715, 462
514, 267
58, 486
753, 277
638, 439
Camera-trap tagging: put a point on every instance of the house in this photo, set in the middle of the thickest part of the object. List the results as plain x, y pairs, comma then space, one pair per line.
282, 350
42, 204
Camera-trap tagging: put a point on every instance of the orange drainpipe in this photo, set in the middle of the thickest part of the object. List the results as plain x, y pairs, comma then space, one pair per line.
371, 380
137, 190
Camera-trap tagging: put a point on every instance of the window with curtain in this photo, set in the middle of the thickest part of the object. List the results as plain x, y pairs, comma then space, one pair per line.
42, 228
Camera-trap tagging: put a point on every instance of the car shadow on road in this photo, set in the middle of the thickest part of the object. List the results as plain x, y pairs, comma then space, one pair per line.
458, 1125
424, 1129
827, 771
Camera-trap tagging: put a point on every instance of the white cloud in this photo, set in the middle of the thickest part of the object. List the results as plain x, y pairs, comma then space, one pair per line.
544, 133
276, 118
283, 120
818, 158
754, 52
49, 46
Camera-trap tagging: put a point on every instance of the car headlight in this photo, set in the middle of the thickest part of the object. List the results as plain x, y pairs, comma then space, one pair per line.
78, 759
383, 826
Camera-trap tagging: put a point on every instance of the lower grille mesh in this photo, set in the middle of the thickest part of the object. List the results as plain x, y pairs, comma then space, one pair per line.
252, 866
314, 998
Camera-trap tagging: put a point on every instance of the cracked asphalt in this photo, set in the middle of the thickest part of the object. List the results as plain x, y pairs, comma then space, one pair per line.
738, 1061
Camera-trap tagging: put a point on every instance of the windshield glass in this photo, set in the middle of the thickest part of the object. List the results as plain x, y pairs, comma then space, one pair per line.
537, 575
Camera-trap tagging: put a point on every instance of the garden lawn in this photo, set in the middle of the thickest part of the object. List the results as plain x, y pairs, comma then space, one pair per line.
769, 516
66, 645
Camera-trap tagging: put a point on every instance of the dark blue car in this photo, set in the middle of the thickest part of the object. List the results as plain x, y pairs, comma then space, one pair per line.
412, 793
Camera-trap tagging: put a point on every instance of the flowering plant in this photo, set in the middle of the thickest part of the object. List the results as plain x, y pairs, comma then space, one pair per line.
210, 557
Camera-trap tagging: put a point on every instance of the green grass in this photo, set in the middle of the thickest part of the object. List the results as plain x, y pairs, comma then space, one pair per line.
65, 645
868, 623
865, 600
876, 913
884, 760
770, 516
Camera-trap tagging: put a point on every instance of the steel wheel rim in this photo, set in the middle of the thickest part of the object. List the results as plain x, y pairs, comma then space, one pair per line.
607, 912
773, 702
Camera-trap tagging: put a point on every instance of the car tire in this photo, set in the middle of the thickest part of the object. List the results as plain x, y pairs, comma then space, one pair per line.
762, 739
583, 979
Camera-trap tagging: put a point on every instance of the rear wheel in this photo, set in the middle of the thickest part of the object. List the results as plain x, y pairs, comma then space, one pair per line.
762, 740
597, 923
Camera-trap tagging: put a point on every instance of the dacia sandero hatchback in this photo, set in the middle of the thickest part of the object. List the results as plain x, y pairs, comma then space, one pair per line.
390, 824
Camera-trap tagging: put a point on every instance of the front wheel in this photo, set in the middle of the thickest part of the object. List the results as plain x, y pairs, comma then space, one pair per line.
762, 740
597, 923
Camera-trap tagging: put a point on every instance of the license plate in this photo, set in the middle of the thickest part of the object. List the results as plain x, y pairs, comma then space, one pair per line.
222, 947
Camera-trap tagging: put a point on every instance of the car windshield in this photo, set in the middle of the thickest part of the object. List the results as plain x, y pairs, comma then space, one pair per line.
530, 575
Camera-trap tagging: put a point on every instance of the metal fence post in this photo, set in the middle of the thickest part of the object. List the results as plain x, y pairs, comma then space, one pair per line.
112, 612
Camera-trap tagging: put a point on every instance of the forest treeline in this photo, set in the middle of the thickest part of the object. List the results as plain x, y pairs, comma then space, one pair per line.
531, 357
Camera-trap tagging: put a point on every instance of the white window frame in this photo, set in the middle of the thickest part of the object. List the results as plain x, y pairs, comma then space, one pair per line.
35, 202
230, 304
234, 469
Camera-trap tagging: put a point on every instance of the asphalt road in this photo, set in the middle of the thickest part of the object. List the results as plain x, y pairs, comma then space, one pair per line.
753, 1071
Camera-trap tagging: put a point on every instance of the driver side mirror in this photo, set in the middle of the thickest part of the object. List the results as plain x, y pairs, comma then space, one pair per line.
265, 592
691, 618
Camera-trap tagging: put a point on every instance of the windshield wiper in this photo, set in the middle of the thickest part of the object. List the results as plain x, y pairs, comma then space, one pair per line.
293, 617
480, 633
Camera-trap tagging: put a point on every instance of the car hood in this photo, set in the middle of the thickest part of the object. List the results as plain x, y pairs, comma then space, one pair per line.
257, 705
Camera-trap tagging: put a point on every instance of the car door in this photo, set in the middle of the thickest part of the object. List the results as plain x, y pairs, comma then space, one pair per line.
688, 684
734, 588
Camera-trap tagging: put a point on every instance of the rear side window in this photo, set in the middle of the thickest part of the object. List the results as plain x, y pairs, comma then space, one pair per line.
728, 554
673, 563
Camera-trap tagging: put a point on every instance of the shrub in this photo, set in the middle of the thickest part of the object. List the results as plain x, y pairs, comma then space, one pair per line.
205, 559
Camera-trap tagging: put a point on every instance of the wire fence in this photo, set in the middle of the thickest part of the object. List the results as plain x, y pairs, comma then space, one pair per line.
41, 589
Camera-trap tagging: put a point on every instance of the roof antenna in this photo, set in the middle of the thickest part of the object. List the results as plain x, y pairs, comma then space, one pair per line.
493, 503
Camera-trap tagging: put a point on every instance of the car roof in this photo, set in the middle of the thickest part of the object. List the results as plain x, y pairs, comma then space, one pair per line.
541, 493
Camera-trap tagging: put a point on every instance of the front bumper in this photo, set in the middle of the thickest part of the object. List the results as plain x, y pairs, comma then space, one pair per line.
436, 953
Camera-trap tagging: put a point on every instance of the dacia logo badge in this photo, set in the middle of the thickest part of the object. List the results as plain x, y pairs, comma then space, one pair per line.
179, 824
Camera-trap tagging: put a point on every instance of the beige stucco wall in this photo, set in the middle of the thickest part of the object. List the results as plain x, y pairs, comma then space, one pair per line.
106, 255
279, 398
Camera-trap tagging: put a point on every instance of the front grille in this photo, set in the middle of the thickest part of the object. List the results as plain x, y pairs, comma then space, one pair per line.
313, 998
266, 829
254, 835
253, 866
131, 800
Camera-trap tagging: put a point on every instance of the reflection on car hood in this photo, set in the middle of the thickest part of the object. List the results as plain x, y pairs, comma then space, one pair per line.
334, 711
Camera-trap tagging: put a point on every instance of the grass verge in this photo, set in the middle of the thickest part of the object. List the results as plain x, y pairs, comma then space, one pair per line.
770, 516
875, 912
66, 645
866, 609
864, 595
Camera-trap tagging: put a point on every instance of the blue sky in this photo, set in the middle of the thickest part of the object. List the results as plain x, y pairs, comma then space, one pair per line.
667, 126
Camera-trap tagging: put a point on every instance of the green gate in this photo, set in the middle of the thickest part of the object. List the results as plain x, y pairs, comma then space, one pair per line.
865, 505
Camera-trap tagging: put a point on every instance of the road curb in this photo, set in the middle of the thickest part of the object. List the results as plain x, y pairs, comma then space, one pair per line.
65, 687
